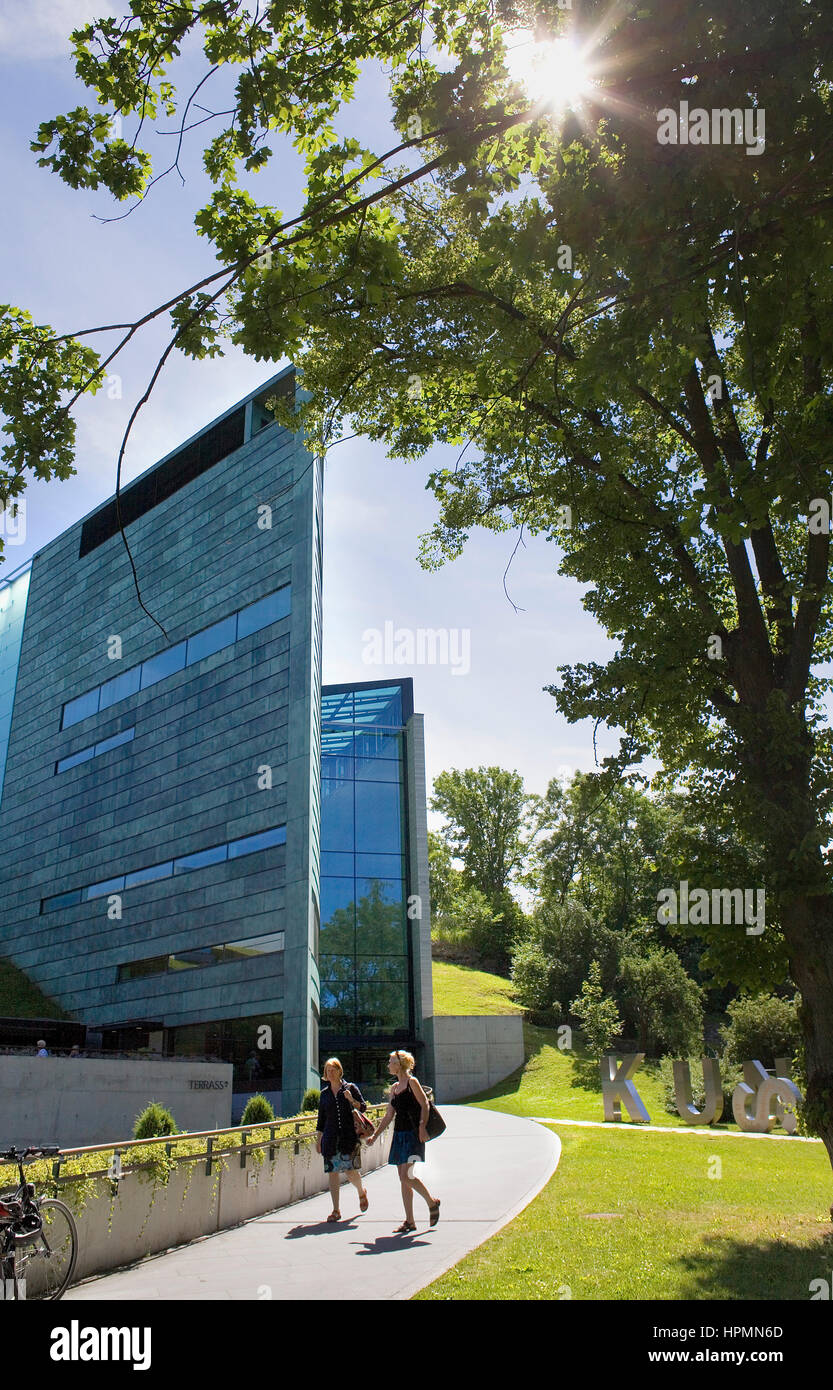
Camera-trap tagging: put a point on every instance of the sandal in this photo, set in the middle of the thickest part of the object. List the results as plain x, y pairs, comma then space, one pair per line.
434, 1212
363, 1201
406, 1226
334, 1215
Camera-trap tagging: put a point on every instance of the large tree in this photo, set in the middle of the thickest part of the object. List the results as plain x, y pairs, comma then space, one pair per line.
631, 341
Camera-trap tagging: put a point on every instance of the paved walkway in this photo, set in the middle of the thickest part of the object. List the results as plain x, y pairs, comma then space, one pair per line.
485, 1169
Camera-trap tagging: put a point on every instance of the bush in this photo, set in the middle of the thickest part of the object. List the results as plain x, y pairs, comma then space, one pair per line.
311, 1099
257, 1110
761, 1028
531, 976
153, 1121
662, 1004
599, 1016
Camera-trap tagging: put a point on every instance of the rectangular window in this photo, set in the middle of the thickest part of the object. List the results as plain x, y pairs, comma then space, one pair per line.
164, 664
196, 958
74, 759
211, 639
138, 969
80, 708
149, 875
115, 741
252, 843
119, 688
61, 900
336, 864
201, 859
101, 890
253, 946
267, 610
378, 770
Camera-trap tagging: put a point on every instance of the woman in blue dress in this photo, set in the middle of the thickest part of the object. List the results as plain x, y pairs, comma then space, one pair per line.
408, 1109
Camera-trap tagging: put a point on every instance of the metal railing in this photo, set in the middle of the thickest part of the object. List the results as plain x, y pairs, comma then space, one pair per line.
210, 1155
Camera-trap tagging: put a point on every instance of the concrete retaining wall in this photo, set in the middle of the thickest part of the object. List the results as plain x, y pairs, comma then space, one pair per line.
143, 1221
73, 1101
473, 1052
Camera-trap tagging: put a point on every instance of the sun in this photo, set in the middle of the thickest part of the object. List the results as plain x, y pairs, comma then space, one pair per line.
553, 72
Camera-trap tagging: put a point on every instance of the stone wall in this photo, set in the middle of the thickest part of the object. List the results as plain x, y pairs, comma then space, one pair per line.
75, 1101
473, 1052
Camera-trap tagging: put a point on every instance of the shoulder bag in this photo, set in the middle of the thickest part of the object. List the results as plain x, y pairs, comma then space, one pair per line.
362, 1125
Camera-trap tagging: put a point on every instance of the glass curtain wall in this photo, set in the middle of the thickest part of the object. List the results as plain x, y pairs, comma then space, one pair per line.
363, 954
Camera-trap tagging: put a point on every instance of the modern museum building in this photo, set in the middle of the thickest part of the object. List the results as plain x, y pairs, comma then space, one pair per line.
204, 852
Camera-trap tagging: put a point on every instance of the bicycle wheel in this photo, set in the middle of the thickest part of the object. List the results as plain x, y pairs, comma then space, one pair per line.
48, 1264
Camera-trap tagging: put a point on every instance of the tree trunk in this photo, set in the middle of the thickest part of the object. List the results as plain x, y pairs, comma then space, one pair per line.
808, 927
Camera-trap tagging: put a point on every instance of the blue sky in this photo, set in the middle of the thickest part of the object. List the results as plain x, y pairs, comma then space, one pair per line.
74, 272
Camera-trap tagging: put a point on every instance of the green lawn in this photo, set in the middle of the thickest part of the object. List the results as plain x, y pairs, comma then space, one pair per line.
458, 989
636, 1216
554, 1082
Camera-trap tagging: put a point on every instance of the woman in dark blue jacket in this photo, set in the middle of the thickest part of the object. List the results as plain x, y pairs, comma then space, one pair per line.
337, 1139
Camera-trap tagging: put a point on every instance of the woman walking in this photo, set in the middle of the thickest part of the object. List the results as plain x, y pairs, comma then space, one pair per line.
408, 1108
336, 1133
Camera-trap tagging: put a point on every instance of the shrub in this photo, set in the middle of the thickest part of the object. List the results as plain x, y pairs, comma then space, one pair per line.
257, 1110
531, 976
761, 1027
153, 1121
599, 1016
311, 1099
661, 1002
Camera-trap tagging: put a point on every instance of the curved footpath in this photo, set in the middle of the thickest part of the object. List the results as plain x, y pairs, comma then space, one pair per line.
485, 1169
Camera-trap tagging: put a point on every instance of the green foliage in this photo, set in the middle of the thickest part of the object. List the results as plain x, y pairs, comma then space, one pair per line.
555, 957
153, 1121
532, 978
485, 813
258, 1109
661, 1003
597, 1012
311, 1099
761, 1027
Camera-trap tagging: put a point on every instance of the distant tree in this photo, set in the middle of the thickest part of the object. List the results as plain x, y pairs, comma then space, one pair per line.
485, 811
597, 1012
532, 976
445, 881
661, 1002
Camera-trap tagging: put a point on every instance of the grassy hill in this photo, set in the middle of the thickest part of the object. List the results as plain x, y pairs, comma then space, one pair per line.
553, 1082
21, 998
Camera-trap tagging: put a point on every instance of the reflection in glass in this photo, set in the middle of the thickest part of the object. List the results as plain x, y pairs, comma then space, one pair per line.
164, 664
378, 818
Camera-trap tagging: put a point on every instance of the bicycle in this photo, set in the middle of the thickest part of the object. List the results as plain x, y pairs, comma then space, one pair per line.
38, 1236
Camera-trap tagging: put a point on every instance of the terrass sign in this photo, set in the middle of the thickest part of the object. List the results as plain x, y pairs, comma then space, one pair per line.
758, 1102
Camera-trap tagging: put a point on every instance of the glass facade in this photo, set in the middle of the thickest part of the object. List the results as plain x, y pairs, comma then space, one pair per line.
239, 1041
13, 595
364, 953
251, 947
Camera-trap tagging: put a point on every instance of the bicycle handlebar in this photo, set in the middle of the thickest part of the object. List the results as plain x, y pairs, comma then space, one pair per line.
15, 1155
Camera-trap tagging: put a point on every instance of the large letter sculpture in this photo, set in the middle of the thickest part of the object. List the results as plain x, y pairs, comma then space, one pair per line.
713, 1107
768, 1093
617, 1087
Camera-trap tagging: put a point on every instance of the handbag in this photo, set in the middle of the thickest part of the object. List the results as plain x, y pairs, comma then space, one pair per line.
435, 1124
361, 1124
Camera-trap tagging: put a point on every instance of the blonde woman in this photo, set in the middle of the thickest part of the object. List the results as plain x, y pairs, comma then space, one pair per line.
408, 1108
336, 1133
